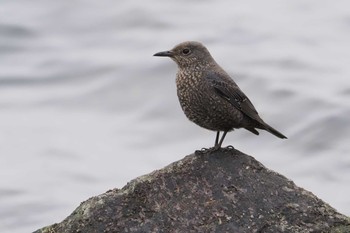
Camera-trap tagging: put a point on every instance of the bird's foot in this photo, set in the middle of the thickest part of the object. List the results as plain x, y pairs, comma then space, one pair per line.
228, 148
213, 149
208, 150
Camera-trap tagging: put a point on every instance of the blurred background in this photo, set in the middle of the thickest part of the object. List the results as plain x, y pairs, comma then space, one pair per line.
84, 107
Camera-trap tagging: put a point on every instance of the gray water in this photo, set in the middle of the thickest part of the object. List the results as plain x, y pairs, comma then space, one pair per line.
84, 107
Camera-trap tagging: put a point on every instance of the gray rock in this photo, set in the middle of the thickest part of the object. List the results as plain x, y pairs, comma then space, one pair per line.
222, 191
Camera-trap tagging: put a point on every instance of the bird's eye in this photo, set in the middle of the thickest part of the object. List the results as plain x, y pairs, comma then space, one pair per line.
186, 51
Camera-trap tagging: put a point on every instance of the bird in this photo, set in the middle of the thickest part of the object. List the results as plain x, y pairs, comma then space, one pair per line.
209, 97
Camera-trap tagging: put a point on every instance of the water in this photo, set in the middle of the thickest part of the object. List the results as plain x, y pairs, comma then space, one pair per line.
84, 107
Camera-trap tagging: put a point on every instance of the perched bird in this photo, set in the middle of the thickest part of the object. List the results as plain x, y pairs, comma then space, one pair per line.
208, 96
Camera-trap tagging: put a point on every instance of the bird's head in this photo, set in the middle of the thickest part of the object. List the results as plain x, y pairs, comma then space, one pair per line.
188, 54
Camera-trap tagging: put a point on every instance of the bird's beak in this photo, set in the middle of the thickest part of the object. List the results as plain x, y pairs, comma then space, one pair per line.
164, 54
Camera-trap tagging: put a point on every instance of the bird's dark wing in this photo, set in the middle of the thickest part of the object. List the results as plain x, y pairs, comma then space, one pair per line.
231, 92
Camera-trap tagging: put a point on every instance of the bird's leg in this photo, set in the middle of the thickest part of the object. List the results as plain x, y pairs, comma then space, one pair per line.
217, 139
217, 145
222, 139
214, 148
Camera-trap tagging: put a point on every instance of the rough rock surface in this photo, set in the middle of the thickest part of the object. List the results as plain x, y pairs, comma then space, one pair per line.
222, 191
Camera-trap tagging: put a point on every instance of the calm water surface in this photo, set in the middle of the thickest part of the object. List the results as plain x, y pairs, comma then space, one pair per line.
84, 107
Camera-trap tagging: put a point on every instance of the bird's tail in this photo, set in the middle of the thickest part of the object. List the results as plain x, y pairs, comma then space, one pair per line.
272, 130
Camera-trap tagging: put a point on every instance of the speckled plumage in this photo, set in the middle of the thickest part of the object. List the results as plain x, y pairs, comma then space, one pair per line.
208, 96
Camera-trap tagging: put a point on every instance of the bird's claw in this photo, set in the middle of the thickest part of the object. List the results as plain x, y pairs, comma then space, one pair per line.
213, 149
207, 150
229, 147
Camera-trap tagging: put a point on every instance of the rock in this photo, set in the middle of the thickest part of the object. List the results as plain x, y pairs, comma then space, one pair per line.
222, 191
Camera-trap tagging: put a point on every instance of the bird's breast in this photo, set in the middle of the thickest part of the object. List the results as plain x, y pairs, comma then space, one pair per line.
202, 105
190, 86
194, 96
